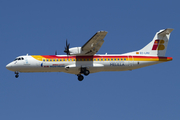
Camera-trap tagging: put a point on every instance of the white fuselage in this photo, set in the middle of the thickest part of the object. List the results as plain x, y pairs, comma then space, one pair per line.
72, 64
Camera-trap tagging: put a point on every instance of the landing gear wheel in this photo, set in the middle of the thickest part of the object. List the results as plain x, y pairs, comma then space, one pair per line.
80, 77
16, 75
86, 72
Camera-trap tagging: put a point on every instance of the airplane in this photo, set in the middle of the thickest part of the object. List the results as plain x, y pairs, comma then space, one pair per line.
84, 60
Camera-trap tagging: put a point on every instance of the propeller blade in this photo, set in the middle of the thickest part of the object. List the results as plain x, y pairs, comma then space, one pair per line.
67, 48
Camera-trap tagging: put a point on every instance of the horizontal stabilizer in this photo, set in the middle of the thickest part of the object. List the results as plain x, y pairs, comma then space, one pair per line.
166, 31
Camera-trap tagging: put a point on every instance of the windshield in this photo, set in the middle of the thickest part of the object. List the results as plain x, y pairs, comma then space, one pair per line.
20, 58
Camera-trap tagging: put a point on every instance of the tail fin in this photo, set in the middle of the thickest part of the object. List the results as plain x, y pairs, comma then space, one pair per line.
158, 46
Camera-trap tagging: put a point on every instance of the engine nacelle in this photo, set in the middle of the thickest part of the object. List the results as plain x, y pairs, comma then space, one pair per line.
76, 51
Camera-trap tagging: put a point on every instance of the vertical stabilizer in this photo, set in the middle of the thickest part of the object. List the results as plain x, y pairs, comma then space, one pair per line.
158, 46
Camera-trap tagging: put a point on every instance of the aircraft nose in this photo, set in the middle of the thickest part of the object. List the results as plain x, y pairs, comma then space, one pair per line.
8, 66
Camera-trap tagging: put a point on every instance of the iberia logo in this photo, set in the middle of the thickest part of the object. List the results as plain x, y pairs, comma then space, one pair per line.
158, 45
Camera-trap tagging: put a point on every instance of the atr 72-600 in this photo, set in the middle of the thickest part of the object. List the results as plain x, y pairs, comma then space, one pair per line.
84, 60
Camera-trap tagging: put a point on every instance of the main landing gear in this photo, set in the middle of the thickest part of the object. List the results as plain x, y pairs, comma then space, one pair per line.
17, 74
80, 77
83, 71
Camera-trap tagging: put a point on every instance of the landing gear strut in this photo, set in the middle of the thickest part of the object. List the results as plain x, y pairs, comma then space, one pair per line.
17, 74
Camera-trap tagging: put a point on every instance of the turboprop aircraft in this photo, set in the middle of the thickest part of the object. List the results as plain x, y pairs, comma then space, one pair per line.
84, 60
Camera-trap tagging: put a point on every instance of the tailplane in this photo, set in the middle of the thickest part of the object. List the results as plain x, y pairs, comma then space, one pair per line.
158, 46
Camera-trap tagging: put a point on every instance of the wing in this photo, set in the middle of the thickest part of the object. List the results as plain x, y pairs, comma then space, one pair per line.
93, 45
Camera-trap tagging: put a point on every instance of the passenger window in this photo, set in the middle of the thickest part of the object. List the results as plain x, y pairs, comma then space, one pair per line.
22, 58
98, 59
44, 60
104, 59
101, 59
115, 59
111, 59
63, 59
54, 59
121, 59
50, 59
73, 59
118, 59
124, 58
57, 60
47, 60
108, 59
94, 59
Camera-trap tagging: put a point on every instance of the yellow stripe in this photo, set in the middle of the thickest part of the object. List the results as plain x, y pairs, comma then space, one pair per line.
38, 57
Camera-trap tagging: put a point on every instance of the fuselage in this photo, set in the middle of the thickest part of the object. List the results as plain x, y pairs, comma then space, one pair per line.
72, 64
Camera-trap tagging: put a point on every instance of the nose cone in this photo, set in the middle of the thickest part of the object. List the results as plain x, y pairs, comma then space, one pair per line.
9, 66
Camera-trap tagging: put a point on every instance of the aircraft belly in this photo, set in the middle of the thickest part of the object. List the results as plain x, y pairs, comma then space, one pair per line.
141, 64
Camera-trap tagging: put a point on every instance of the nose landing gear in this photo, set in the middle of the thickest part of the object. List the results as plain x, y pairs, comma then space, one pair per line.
17, 74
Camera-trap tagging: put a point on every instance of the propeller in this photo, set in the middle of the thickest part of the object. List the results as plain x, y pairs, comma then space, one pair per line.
67, 48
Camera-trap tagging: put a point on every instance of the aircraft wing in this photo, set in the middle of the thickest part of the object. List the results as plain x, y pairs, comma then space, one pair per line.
93, 45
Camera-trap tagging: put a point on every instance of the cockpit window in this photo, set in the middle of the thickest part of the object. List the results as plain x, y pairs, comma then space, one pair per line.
21, 58
15, 59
